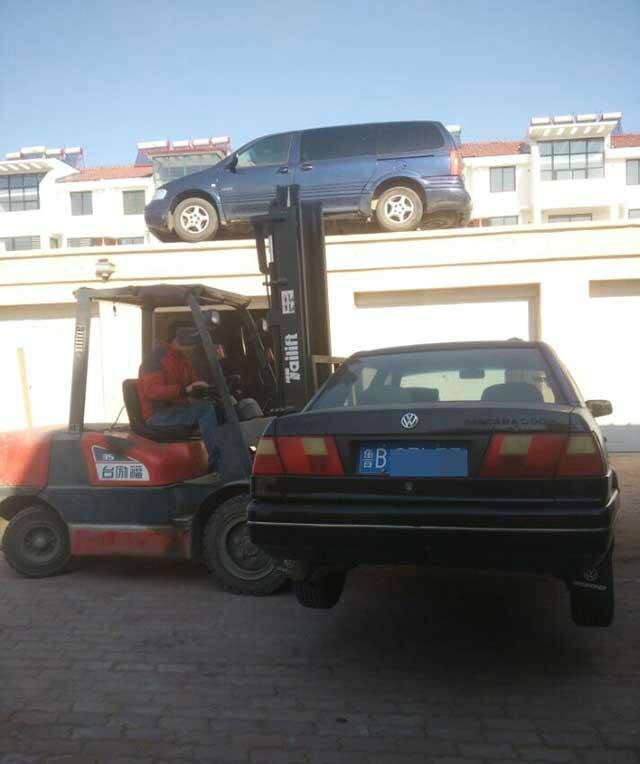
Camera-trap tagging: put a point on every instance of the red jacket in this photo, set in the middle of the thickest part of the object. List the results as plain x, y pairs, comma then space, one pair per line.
162, 379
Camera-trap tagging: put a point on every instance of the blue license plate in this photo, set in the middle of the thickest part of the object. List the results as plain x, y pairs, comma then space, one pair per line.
413, 460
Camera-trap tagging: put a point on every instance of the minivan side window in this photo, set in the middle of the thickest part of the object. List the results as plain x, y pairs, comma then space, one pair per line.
271, 150
338, 142
408, 137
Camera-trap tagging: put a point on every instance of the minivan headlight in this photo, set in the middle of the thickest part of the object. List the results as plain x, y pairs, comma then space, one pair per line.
159, 194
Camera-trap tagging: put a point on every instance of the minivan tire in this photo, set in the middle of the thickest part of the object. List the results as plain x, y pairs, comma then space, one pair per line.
399, 208
195, 219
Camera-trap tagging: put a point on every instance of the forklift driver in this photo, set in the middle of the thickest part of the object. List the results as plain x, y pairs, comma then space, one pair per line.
165, 382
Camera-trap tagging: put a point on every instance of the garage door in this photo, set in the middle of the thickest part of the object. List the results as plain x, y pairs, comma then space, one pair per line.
614, 368
37, 342
439, 315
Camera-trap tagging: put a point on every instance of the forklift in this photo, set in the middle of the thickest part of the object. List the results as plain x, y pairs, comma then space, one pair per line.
142, 491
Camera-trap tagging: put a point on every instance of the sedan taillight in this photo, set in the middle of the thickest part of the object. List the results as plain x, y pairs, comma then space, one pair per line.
542, 455
298, 455
582, 457
267, 459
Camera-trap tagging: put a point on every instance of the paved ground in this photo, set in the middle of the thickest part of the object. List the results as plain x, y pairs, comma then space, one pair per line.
120, 661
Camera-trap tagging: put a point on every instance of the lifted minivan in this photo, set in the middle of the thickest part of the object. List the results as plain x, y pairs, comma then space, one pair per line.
405, 174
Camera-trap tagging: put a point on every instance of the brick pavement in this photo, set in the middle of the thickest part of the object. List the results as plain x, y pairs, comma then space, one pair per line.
148, 662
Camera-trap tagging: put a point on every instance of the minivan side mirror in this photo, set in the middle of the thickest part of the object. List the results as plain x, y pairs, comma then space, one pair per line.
600, 407
232, 163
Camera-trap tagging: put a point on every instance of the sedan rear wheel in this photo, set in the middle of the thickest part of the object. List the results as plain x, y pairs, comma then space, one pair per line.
399, 209
195, 219
321, 593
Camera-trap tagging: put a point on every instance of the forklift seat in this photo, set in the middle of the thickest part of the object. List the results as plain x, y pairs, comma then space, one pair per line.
140, 427
246, 409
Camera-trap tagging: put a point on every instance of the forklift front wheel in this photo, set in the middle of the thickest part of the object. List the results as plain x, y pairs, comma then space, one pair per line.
36, 543
232, 558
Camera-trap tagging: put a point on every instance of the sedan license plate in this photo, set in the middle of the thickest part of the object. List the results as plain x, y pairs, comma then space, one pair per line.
413, 460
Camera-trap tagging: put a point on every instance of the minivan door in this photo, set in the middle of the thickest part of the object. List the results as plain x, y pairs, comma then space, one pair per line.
335, 166
248, 187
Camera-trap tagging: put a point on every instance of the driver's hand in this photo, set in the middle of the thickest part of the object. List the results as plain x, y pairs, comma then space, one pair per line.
195, 385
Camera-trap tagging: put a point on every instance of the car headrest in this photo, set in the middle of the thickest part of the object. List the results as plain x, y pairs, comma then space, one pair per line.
382, 395
422, 394
513, 392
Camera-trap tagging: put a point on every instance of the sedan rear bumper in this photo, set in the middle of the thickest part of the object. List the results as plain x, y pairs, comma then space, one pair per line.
547, 540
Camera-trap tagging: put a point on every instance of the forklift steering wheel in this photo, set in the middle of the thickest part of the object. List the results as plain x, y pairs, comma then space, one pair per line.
206, 393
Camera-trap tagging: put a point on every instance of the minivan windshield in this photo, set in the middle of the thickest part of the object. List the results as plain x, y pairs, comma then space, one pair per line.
492, 375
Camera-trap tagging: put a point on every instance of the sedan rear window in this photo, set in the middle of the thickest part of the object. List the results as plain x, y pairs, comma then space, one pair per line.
491, 375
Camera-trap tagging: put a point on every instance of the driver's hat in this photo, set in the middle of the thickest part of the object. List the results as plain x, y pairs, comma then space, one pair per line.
187, 337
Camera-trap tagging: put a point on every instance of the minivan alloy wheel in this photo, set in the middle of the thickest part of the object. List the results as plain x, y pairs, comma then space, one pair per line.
399, 208
194, 218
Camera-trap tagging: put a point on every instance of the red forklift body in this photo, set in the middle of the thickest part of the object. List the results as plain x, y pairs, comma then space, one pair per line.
24, 458
130, 490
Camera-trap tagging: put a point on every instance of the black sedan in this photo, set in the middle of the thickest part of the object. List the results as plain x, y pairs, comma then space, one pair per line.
476, 455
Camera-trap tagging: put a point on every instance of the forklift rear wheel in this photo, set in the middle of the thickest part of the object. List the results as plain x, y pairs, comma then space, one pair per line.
36, 543
232, 558
195, 219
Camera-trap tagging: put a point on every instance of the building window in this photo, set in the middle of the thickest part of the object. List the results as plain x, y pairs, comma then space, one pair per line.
81, 203
503, 179
17, 243
582, 218
20, 192
54, 242
633, 172
572, 160
503, 220
133, 202
88, 241
84, 241
634, 214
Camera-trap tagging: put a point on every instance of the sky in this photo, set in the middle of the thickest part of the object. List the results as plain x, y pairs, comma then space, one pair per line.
105, 75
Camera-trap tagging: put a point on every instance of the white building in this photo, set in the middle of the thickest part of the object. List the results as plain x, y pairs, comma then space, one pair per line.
52, 201
574, 283
572, 168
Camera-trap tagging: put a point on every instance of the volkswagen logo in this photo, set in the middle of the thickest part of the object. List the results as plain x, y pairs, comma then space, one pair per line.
409, 420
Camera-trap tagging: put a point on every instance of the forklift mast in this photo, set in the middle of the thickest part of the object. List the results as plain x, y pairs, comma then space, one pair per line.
291, 255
